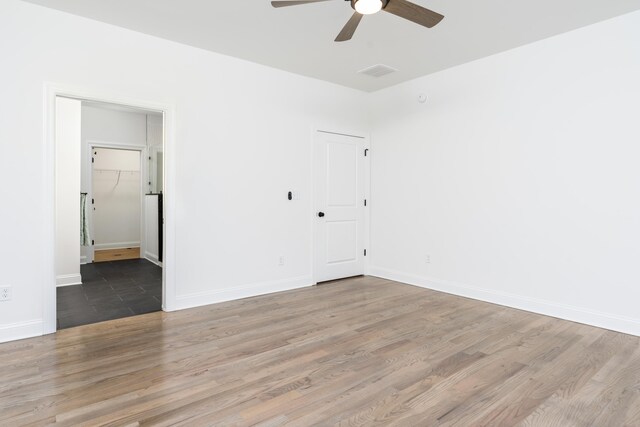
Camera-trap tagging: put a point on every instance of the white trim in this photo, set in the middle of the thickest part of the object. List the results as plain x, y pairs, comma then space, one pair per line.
68, 280
83, 259
587, 316
367, 209
152, 258
200, 299
48, 324
117, 245
21, 330
169, 292
49, 308
366, 145
349, 135
144, 172
116, 145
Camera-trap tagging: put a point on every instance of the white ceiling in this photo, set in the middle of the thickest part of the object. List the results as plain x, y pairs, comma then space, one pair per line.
300, 39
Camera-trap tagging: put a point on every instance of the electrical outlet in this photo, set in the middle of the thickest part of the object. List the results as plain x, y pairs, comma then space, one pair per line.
427, 259
281, 261
5, 293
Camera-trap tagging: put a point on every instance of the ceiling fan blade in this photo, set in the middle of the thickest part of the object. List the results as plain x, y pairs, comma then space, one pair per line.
294, 2
413, 12
350, 28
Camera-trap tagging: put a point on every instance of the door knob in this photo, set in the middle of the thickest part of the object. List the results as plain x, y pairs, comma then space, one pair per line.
321, 214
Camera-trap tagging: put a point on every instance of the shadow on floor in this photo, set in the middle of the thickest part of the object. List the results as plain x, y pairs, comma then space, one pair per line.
111, 290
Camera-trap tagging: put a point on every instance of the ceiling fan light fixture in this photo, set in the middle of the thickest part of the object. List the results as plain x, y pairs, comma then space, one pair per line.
402, 8
368, 7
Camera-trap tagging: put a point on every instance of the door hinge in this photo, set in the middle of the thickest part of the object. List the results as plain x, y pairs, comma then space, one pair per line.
365, 252
93, 201
93, 160
365, 202
366, 151
93, 242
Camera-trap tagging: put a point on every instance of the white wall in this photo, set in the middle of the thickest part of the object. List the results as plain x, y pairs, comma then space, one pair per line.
243, 139
103, 124
117, 195
67, 172
519, 178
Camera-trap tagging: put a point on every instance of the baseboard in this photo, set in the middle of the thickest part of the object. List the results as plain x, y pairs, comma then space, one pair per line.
68, 280
587, 316
229, 294
83, 260
153, 261
152, 258
21, 330
117, 245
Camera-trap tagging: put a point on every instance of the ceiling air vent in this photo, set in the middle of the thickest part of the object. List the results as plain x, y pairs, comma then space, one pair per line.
378, 70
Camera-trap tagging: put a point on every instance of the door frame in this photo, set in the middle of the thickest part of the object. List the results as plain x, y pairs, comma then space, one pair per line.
366, 145
50, 92
143, 150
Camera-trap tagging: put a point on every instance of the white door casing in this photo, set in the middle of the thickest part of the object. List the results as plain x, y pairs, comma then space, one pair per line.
51, 92
339, 165
88, 178
129, 230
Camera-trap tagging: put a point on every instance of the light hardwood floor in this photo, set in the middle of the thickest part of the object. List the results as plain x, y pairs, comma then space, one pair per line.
106, 255
363, 351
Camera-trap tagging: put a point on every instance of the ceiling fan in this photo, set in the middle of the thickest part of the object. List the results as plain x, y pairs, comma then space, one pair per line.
401, 8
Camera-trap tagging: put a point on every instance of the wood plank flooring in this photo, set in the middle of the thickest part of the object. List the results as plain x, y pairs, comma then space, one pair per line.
359, 352
106, 255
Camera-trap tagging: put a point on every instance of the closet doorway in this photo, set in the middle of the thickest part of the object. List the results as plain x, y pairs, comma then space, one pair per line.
116, 204
120, 174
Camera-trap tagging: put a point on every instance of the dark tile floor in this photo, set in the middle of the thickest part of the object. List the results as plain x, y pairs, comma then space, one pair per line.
111, 290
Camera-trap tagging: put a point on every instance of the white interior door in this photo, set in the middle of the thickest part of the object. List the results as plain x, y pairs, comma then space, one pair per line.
340, 206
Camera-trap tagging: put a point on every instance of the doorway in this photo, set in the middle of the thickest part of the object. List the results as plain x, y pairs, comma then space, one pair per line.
116, 204
340, 188
119, 270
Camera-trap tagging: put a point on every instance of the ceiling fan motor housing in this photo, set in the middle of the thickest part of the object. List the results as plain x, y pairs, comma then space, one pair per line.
353, 3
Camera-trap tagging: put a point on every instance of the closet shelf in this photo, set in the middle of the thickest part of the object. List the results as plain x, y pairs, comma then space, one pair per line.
115, 170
